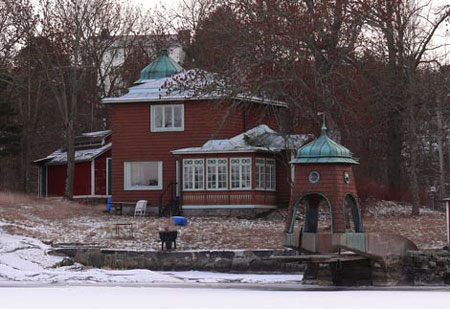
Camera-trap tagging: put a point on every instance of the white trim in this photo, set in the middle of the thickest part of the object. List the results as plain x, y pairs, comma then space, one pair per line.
153, 128
107, 175
229, 206
93, 177
91, 196
217, 172
177, 178
170, 99
177, 152
193, 174
240, 188
126, 174
447, 214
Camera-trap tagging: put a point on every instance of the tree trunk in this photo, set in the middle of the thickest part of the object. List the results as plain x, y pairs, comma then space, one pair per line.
70, 136
414, 182
441, 135
394, 155
25, 161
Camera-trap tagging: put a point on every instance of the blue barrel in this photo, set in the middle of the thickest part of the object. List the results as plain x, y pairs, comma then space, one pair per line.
108, 204
180, 221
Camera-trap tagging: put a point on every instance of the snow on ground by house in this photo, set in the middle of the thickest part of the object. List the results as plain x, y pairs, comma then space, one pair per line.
189, 298
60, 222
24, 260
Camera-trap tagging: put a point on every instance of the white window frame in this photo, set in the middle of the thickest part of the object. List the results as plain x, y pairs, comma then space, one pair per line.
271, 165
163, 107
127, 177
240, 165
264, 168
260, 173
216, 164
195, 164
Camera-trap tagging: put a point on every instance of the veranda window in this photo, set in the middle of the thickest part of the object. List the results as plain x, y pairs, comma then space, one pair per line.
265, 174
145, 175
241, 169
169, 117
217, 174
193, 174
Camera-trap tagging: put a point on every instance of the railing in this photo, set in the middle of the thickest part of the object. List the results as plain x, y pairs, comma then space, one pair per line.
174, 204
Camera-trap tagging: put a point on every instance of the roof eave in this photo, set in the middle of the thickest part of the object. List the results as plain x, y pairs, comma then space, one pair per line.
170, 99
180, 152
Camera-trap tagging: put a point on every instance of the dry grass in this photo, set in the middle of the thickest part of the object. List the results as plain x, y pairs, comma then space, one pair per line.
59, 221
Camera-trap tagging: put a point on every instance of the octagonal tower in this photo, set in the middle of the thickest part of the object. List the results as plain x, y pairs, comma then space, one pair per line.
323, 174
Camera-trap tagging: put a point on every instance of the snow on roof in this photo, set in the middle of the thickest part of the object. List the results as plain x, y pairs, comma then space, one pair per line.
97, 133
260, 138
60, 157
186, 85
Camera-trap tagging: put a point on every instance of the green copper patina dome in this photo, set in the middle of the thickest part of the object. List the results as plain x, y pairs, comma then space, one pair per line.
324, 150
161, 67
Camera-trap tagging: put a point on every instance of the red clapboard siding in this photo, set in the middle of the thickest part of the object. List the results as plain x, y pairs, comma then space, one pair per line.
203, 120
81, 181
100, 173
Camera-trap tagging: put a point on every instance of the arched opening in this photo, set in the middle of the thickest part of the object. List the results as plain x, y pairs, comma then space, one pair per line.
352, 215
313, 211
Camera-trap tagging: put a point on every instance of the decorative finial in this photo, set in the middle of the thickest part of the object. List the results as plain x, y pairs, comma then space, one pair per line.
324, 127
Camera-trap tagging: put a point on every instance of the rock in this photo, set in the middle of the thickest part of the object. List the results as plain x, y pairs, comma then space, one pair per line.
65, 262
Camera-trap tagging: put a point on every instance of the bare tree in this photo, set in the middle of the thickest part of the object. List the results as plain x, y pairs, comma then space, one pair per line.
76, 36
405, 29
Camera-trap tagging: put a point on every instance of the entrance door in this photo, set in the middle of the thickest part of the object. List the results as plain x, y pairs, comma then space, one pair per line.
108, 176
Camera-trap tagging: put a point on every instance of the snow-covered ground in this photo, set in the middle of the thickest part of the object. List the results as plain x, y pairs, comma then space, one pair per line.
187, 298
24, 260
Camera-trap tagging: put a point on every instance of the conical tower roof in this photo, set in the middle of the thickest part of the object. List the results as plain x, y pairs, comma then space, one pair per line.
324, 150
161, 67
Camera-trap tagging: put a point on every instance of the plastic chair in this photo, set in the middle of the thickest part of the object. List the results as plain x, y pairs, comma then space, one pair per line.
141, 206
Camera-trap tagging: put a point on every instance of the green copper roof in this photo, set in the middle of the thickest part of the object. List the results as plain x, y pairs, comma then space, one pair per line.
324, 150
161, 67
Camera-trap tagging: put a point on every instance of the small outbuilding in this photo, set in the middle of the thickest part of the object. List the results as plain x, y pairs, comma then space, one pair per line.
92, 176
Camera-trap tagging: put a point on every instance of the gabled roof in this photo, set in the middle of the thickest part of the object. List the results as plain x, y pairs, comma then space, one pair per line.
184, 86
88, 146
324, 150
259, 139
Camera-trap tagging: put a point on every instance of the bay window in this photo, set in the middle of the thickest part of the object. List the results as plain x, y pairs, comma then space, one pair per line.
241, 169
193, 174
265, 174
217, 174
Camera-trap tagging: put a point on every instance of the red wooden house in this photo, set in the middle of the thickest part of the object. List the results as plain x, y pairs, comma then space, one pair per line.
164, 147
92, 176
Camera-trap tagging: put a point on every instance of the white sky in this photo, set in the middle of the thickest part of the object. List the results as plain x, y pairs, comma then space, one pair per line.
172, 4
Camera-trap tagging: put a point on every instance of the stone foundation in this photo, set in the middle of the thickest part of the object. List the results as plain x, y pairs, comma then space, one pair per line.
428, 267
220, 261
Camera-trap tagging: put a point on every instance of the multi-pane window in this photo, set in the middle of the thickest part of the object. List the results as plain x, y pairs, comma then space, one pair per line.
260, 175
240, 173
265, 174
167, 117
216, 173
145, 175
193, 172
270, 174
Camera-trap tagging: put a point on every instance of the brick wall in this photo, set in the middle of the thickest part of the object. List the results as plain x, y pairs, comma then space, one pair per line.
331, 184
